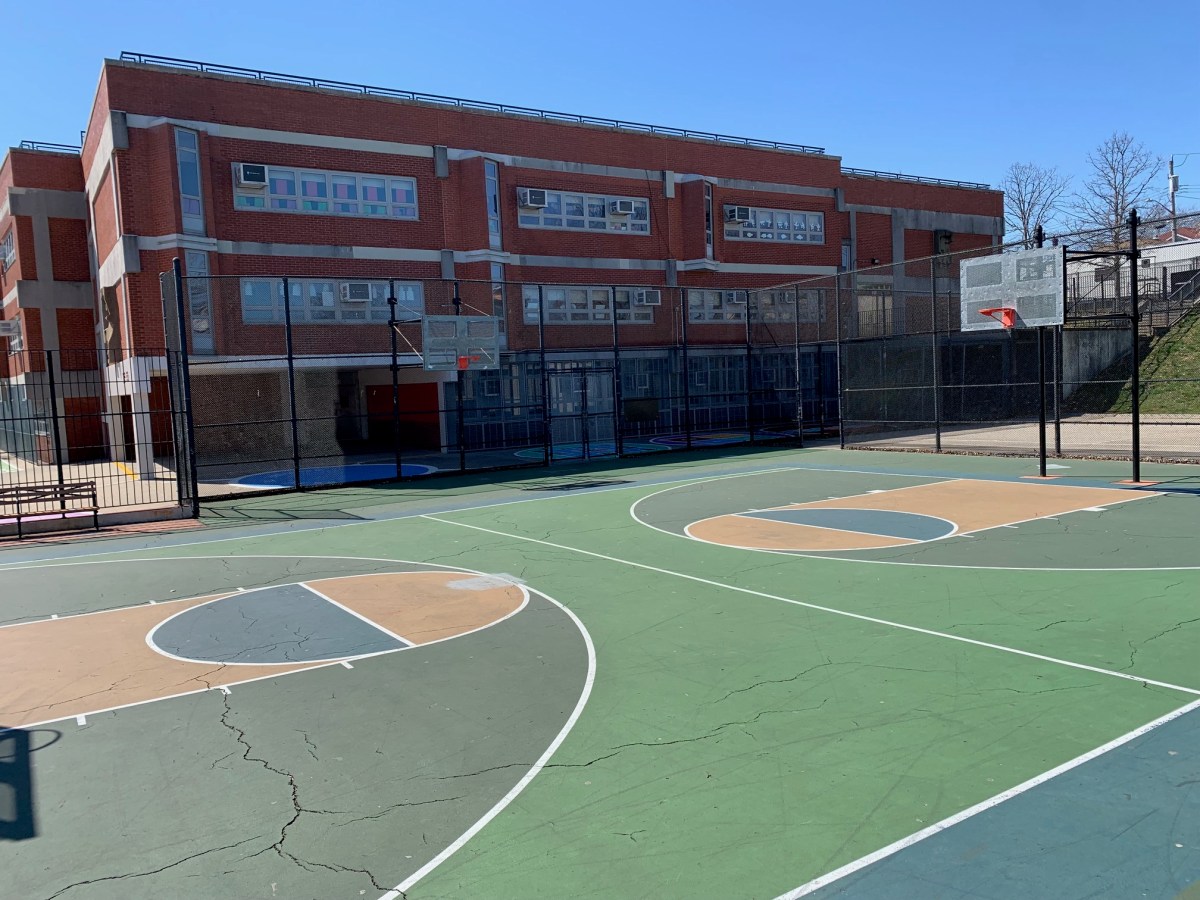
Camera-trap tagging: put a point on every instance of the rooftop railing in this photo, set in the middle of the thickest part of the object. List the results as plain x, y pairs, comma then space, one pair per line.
529, 112
52, 148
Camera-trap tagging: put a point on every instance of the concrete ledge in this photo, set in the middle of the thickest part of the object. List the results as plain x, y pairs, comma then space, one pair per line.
78, 521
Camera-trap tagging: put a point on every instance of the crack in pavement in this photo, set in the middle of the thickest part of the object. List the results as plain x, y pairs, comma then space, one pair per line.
177, 862
298, 808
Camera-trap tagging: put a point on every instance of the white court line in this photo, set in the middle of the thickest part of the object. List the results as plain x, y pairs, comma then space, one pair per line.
49, 561
407, 884
829, 609
924, 565
405, 641
915, 838
323, 664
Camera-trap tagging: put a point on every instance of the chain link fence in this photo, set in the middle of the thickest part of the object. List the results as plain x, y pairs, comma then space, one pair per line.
280, 399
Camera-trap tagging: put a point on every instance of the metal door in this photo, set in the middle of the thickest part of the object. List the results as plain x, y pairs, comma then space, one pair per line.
582, 413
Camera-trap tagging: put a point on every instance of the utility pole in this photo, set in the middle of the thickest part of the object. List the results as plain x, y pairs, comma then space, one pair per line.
1172, 189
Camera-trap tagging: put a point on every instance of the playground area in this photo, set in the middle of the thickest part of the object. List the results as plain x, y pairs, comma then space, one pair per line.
777, 673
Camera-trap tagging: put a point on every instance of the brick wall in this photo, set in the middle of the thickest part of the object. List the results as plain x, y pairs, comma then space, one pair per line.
104, 218
68, 250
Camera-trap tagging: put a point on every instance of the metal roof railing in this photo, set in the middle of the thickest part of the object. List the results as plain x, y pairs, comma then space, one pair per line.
53, 148
919, 179
529, 112
548, 115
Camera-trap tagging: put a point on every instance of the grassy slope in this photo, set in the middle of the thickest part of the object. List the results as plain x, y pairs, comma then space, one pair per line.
1175, 355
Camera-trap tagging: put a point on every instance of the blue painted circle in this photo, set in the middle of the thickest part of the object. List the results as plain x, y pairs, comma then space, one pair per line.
347, 474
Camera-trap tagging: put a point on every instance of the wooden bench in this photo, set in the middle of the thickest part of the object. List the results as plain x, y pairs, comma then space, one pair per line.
23, 497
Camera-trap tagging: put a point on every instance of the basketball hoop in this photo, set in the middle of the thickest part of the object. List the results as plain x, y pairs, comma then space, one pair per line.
1005, 315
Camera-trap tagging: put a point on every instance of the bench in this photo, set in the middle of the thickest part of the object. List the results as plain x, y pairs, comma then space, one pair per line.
30, 503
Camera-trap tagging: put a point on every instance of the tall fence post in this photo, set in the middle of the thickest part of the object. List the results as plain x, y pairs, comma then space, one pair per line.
837, 339
796, 363
936, 362
618, 417
54, 419
749, 373
396, 453
1058, 386
684, 302
460, 429
1135, 385
189, 422
291, 376
547, 440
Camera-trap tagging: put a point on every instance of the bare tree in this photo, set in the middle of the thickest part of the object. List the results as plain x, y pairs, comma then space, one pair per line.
1032, 196
1122, 171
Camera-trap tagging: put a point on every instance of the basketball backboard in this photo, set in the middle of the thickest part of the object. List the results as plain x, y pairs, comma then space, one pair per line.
460, 342
1028, 282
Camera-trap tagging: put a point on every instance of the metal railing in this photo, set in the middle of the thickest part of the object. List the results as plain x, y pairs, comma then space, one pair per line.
50, 147
918, 179
459, 102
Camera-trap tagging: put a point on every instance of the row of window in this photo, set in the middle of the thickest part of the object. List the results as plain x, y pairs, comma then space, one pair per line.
586, 212
319, 301
8, 249
331, 193
568, 305
755, 224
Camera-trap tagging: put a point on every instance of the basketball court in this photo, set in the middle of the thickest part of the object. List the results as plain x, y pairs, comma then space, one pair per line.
780, 673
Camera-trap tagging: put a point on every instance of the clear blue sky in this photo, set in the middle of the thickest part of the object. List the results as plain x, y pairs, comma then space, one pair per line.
948, 89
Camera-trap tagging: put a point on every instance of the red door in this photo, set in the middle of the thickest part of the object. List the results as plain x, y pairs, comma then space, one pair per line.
419, 416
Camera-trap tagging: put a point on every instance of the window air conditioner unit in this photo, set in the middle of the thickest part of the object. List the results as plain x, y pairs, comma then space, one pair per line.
251, 175
739, 214
356, 292
528, 198
620, 207
649, 297
1146, 261
733, 296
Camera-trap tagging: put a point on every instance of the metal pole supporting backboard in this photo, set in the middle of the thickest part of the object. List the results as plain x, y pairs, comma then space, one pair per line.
1135, 386
185, 378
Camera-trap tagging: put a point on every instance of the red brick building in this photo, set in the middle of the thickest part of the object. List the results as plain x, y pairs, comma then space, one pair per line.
243, 175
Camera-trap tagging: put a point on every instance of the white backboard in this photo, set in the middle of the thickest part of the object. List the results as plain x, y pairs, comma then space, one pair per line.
1029, 281
460, 342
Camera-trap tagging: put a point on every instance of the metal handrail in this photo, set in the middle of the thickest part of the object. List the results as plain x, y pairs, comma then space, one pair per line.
46, 145
459, 102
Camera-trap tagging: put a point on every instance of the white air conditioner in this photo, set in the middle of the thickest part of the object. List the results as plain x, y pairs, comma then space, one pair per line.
356, 292
620, 207
733, 296
1146, 262
739, 214
251, 175
648, 297
530, 198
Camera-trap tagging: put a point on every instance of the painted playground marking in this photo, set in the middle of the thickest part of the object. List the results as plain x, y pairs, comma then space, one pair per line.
514, 792
915, 838
75, 559
979, 507
301, 667
899, 562
929, 632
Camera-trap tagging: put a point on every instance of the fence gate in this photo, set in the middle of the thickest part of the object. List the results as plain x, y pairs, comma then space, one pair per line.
583, 421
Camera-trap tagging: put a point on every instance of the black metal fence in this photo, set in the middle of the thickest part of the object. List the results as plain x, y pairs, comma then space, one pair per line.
281, 399
69, 416
912, 378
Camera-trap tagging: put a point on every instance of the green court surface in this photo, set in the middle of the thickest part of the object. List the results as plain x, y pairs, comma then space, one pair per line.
1003, 711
